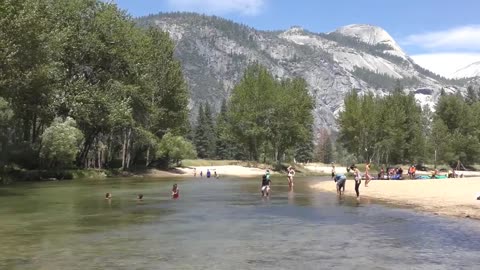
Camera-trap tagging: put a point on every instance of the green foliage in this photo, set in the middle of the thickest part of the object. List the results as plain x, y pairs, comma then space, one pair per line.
175, 148
204, 133
384, 81
264, 113
388, 129
88, 60
6, 115
60, 143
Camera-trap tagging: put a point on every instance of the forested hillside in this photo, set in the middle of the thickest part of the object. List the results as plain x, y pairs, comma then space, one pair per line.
81, 85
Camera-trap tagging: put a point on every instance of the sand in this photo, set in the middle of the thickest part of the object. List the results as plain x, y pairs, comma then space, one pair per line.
452, 197
324, 169
222, 170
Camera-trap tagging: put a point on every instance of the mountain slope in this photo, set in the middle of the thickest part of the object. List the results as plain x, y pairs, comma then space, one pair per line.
472, 70
214, 53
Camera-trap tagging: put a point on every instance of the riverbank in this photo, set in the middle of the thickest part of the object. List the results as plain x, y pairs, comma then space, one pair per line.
452, 197
221, 170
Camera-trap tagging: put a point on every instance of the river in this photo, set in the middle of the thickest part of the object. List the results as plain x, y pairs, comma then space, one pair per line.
221, 224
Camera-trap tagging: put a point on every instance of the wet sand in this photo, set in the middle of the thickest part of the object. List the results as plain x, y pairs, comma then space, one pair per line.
452, 197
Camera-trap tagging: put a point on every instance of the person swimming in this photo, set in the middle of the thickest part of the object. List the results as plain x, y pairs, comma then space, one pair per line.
175, 192
140, 197
108, 196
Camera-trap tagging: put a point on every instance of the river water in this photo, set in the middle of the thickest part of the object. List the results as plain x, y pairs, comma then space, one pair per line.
221, 224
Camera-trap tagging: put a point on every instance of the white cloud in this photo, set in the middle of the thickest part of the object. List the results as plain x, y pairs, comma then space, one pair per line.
445, 64
459, 38
244, 7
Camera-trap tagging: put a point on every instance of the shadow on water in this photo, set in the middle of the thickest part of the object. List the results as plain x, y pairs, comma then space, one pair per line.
221, 224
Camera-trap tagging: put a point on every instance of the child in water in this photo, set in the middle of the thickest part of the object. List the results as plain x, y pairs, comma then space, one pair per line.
140, 197
175, 192
108, 196
265, 185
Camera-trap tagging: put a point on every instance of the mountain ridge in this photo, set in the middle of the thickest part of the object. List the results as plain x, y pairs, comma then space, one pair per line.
214, 53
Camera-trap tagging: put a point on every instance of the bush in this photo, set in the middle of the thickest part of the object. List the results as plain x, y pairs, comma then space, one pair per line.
175, 148
60, 143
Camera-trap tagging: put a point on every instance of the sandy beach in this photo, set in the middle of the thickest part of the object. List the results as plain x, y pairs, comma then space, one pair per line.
222, 170
453, 197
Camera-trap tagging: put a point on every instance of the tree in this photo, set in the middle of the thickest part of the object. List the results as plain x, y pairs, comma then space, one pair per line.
304, 151
268, 114
6, 115
224, 149
201, 134
175, 148
60, 143
209, 129
471, 95
88, 60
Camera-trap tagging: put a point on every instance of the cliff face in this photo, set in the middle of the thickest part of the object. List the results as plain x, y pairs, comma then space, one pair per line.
215, 52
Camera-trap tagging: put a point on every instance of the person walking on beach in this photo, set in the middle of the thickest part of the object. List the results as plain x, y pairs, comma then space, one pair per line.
290, 174
367, 174
208, 173
194, 172
201, 174
358, 179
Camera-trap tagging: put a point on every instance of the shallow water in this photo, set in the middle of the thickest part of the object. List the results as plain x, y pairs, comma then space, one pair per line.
220, 224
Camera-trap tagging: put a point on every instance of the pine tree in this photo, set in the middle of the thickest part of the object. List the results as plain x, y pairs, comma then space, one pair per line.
328, 151
471, 95
210, 133
223, 149
200, 139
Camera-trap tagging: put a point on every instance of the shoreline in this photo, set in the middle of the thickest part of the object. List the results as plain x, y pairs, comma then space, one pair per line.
448, 197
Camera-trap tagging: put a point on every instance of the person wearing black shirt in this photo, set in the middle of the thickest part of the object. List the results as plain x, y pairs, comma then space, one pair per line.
265, 185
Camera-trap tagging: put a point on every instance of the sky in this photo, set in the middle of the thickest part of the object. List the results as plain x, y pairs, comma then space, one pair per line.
441, 35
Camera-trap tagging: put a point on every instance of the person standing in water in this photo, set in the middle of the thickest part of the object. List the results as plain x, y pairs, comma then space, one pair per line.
340, 179
358, 179
201, 174
265, 185
194, 172
175, 192
208, 173
290, 174
367, 174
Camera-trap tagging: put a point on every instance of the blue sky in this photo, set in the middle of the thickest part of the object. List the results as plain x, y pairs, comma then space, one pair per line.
432, 32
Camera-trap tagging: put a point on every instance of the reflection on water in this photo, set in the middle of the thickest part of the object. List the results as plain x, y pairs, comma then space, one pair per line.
220, 224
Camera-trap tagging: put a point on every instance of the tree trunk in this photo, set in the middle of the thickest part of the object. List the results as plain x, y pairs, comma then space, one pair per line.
147, 157
82, 161
124, 149
129, 147
34, 128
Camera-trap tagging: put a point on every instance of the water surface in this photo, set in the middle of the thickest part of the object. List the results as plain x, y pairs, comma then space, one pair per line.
220, 224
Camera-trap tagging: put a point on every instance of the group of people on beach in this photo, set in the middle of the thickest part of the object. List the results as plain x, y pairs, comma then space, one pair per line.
208, 173
341, 179
175, 194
